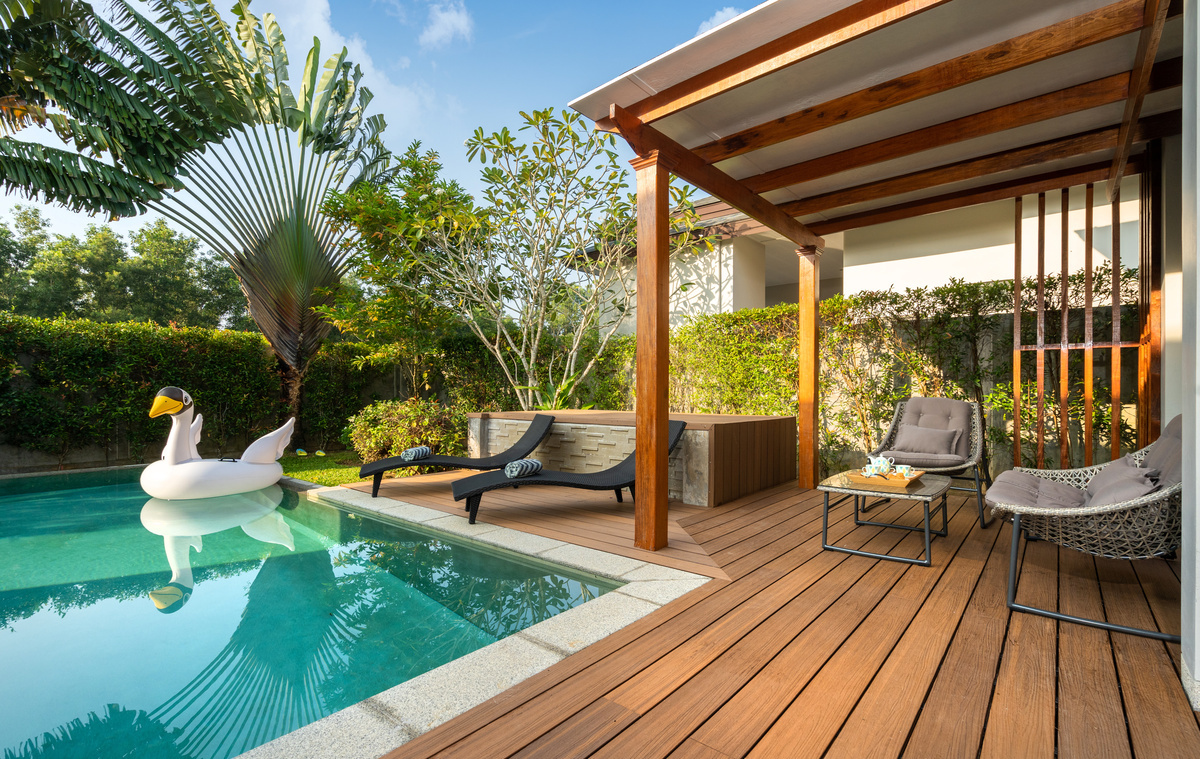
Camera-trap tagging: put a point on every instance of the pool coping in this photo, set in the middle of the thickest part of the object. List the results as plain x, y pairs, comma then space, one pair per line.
388, 720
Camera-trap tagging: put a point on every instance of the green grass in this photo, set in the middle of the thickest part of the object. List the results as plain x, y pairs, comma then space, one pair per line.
338, 468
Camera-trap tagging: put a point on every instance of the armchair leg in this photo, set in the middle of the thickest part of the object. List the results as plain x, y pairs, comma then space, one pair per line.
1014, 606
983, 522
620, 498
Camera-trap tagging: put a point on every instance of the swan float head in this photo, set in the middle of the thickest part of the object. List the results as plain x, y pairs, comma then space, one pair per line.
171, 400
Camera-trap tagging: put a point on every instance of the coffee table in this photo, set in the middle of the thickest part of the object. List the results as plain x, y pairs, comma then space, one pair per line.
928, 489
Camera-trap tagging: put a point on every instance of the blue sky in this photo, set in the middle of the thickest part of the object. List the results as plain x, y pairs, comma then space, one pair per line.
441, 68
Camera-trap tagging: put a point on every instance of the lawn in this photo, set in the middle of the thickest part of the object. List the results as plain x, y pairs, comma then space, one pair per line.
338, 468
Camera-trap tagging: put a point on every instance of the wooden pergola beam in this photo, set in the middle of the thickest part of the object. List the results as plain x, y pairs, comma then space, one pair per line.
1100, 25
836, 29
645, 139
1081, 97
1155, 18
1023, 157
1055, 180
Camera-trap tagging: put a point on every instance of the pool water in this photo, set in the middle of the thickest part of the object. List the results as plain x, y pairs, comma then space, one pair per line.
137, 627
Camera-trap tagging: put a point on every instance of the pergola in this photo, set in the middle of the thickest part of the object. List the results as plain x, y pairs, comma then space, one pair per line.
817, 116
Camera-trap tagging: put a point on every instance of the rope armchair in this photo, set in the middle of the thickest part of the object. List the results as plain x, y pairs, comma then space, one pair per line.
964, 462
1149, 526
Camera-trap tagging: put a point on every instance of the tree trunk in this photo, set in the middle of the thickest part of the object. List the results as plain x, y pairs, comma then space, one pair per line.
292, 386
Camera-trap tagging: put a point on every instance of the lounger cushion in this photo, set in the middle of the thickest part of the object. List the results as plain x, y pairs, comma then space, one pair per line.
1136, 485
1166, 455
1023, 489
935, 460
1124, 468
941, 414
925, 439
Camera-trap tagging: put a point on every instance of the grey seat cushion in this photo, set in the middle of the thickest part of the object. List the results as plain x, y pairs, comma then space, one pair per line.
1024, 489
941, 414
1166, 455
935, 460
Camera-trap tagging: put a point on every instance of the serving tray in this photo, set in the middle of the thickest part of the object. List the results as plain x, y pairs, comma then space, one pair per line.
890, 481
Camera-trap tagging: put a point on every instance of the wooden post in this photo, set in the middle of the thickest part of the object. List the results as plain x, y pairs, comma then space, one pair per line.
653, 323
807, 394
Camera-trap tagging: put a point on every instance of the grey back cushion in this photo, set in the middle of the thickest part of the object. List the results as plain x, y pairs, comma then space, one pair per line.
941, 414
1166, 455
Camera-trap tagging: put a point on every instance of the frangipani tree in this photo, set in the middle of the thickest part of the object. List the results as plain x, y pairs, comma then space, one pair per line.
540, 269
255, 197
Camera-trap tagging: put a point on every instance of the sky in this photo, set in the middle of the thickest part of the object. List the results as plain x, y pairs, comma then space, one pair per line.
439, 69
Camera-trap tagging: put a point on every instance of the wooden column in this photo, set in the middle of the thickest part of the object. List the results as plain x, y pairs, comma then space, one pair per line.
807, 394
653, 323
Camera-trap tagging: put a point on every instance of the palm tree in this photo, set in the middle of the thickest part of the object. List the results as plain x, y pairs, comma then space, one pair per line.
255, 197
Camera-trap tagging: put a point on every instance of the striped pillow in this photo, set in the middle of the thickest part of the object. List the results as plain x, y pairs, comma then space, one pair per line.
413, 454
522, 468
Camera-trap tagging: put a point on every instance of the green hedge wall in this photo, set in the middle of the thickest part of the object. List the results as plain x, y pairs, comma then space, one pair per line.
68, 384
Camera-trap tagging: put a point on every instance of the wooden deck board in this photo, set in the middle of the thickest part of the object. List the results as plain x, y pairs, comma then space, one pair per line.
795, 651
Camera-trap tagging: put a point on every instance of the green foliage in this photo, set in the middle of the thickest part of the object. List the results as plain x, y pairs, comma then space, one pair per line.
68, 384
333, 390
386, 428
134, 98
163, 277
538, 270
472, 376
742, 362
388, 310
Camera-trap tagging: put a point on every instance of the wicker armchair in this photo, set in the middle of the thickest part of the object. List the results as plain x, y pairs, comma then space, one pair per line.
1142, 528
965, 466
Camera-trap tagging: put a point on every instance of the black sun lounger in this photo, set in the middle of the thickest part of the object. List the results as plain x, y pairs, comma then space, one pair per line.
538, 429
614, 478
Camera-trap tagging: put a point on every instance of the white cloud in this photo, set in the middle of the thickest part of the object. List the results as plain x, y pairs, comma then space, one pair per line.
718, 18
447, 20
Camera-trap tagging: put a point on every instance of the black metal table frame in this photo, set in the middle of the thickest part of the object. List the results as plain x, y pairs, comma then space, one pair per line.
925, 502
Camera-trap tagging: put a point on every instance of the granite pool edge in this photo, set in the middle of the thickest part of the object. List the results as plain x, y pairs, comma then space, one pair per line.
387, 720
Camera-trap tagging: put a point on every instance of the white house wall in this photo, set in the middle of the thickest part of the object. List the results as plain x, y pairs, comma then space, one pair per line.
976, 243
729, 277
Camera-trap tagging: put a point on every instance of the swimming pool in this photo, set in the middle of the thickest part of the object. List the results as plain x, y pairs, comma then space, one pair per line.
117, 635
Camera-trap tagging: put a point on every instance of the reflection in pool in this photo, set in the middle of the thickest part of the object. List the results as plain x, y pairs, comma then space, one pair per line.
282, 611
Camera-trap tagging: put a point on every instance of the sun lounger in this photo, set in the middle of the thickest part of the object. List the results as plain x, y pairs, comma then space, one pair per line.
537, 431
614, 478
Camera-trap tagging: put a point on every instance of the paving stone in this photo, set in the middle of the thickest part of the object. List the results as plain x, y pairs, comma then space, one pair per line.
356, 732
439, 695
460, 526
590, 560
578, 628
659, 572
521, 542
661, 591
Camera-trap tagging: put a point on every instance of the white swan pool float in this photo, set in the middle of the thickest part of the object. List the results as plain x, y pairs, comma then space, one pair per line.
181, 473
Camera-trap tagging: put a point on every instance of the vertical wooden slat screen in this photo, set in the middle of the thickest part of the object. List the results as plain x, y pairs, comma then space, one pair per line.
1063, 337
1115, 351
1041, 333
1149, 343
1017, 337
1089, 378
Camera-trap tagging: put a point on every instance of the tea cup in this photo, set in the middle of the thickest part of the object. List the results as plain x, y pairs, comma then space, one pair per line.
905, 471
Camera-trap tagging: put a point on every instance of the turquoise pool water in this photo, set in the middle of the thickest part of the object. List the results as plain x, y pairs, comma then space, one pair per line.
119, 638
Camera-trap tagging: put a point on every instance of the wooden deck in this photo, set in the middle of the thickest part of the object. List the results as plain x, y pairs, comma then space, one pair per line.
802, 652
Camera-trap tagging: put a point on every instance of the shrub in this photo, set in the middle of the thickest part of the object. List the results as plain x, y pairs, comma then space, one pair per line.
334, 386
386, 428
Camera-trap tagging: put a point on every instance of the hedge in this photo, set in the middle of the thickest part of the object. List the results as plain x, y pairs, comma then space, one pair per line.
68, 384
